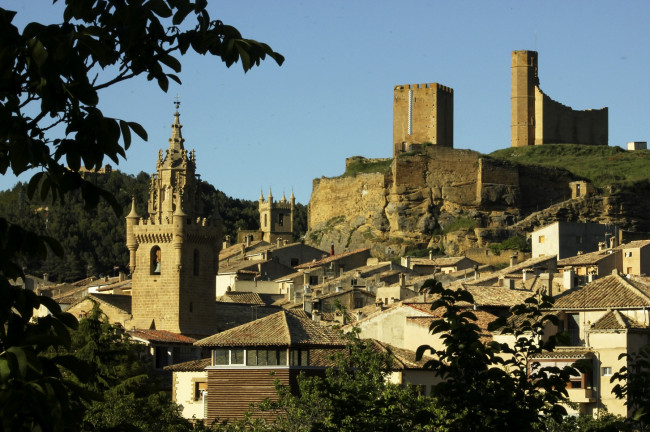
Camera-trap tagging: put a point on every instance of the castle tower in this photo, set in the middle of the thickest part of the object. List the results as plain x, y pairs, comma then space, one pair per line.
522, 100
174, 253
276, 217
422, 113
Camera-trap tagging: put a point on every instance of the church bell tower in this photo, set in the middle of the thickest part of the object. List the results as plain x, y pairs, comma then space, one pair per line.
174, 251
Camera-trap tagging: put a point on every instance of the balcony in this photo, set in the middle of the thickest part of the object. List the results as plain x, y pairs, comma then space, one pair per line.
581, 395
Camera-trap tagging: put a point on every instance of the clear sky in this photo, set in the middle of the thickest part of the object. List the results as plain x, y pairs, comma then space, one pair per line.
281, 127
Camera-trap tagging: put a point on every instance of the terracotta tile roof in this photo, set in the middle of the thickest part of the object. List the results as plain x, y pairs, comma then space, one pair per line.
190, 366
586, 259
634, 244
483, 319
290, 276
329, 259
438, 261
126, 284
611, 291
486, 296
571, 353
241, 297
614, 320
119, 301
401, 358
346, 291
532, 263
162, 336
283, 329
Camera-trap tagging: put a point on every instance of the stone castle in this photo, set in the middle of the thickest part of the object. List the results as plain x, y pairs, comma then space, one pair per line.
430, 184
537, 119
174, 252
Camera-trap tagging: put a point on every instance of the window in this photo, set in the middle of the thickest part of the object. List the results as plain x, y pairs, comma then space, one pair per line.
628, 254
199, 389
195, 262
265, 220
220, 356
541, 239
358, 303
606, 371
155, 260
299, 357
313, 280
266, 357
236, 356
281, 219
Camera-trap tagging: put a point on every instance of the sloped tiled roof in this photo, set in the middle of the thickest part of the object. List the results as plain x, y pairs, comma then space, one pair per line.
279, 329
190, 366
611, 291
586, 259
346, 291
162, 336
119, 301
614, 320
634, 244
241, 297
329, 259
402, 358
565, 353
485, 296
437, 261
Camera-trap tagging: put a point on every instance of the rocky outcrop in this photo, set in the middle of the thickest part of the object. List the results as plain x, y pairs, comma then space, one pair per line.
454, 200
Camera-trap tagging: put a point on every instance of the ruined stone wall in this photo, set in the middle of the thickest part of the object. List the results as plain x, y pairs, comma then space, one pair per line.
452, 175
498, 183
537, 119
410, 171
557, 123
363, 195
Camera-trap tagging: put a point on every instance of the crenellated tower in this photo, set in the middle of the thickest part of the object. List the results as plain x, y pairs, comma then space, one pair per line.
174, 252
276, 217
422, 113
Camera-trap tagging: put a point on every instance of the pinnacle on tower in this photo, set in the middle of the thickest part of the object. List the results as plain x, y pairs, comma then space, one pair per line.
176, 141
270, 195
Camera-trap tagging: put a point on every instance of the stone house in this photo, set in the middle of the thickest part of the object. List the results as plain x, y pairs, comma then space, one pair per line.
116, 307
566, 239
321, 270
248, 359
635, 258
190, 387
587, 267
432, 265
165, 347
604, 319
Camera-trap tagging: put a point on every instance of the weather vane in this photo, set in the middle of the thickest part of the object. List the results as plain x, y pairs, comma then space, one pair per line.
177, 101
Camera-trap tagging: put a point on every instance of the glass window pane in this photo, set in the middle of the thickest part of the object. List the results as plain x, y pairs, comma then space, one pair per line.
262, 360
304, 357
282, 360
220, 356
251, 357
236, 356
271, 357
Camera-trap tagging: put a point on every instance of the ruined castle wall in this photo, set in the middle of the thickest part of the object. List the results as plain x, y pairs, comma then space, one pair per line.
363, 194
410, 171
498, 183
452, 175
558, 123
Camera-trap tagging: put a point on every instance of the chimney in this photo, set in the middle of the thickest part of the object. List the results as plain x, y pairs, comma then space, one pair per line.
226, 242
248, 241
513, 260
547, 283
379, 305
431, 254
285, 242
524, 274
602, 245
402, 280
332, 249
243, 248
122, 277
613, 242
45, 278
359, 315
568, 277
315, 316
279, 242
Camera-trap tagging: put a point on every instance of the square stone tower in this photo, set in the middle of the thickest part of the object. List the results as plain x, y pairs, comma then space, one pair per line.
422, 113
174, 252
522, 98
276, 217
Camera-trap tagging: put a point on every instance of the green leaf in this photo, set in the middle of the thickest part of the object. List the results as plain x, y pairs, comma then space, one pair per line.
160, 8
139, 130
171, 62
39, 54
126, 134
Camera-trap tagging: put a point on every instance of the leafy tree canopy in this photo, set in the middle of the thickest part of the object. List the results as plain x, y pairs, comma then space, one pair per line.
51, 77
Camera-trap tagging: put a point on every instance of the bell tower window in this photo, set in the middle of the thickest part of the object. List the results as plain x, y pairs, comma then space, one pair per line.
195, 262
156, 260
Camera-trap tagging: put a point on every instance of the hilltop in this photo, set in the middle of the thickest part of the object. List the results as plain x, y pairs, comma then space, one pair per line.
463, 202
602, 165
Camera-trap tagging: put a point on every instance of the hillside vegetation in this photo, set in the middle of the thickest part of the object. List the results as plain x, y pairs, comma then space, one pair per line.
601, 165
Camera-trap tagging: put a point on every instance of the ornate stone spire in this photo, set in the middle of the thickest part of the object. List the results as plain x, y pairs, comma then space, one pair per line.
176, 141
270, 195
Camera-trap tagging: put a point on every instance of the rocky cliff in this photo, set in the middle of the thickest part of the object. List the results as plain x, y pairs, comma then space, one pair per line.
454, 200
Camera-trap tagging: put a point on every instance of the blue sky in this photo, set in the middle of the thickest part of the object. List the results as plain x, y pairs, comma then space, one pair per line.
281, 127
